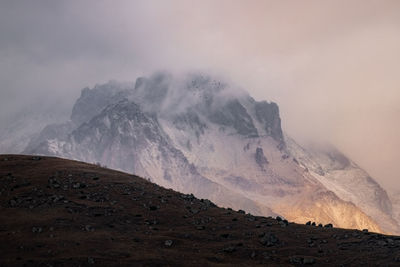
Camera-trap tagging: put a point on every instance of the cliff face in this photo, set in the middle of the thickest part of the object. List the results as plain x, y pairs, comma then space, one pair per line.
93, 101
199, 135
268, 115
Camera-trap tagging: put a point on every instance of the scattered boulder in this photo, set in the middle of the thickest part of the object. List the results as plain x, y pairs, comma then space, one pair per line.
302, 260
253, 254
168, 243
78, 185
269, 240
229, 249
296, 260
308, 260
284, 223
37, 229
89, 228
13, 203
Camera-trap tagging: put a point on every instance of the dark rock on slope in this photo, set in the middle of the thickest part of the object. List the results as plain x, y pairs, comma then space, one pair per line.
268, 114
233, 114
57, 212
260, 157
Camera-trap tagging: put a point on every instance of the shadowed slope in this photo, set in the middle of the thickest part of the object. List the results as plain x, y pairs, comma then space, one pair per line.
63, 213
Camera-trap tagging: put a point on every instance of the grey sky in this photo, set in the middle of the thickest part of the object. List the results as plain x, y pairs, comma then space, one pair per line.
332, 66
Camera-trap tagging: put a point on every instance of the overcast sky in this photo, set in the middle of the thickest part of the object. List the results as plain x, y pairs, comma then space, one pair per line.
332, 66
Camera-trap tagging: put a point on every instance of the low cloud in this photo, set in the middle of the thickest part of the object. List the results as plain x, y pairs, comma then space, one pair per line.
332, 66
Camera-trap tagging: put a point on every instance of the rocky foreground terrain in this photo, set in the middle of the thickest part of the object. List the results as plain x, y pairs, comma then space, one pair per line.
57, 212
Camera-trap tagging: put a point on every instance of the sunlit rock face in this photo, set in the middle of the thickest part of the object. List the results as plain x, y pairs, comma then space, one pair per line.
347, 180
198, 134
395, 197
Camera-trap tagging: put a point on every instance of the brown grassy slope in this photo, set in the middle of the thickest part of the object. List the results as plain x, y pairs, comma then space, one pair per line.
57, 212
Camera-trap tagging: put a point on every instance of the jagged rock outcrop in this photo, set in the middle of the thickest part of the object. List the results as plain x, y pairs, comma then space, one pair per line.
93, 101
268, 115
234, 115
260, 157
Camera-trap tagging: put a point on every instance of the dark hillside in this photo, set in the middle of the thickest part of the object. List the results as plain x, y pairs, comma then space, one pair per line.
57, 212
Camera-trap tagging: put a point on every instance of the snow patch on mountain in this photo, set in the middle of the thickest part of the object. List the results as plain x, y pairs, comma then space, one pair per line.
351, 183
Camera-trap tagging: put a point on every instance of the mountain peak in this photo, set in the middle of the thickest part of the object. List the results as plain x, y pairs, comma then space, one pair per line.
93, 101
210, 98
199, 134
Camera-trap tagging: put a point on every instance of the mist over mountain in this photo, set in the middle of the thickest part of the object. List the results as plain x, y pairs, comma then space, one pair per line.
199, 134
140, 132
21, 126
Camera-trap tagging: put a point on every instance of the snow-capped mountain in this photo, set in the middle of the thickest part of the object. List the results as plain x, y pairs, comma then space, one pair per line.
199, 135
